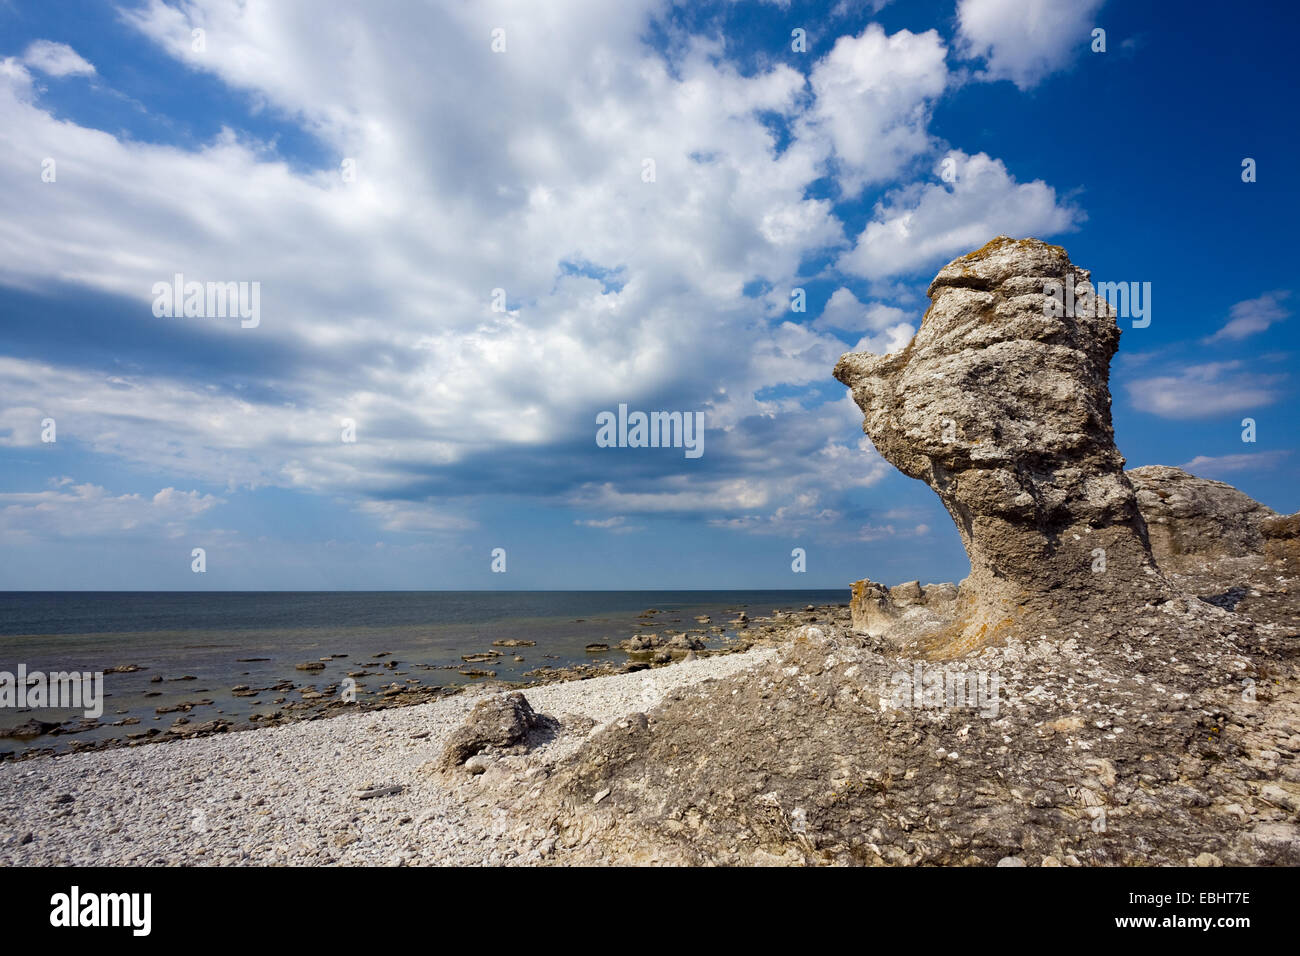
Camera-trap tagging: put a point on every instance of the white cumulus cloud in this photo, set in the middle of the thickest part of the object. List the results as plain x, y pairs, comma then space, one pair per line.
925, 225
1025, 40
78, 510
56, 59
844, 311
873, 98
520, 171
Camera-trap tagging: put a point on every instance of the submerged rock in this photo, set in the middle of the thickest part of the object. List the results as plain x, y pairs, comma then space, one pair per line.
30, 729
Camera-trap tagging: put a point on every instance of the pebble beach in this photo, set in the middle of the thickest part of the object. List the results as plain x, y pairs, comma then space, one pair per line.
347, 790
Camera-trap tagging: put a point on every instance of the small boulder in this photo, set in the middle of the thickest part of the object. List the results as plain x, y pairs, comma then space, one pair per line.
936, 594
494, 722
371, 790
869, 606
907, 594
639, 642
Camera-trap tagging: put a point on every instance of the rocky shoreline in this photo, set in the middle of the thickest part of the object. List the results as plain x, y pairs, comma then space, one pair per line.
356, 789
671, 641
1173, 739
1116, 683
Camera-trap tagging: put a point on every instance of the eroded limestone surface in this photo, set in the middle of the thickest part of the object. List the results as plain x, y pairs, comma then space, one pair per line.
1001, 405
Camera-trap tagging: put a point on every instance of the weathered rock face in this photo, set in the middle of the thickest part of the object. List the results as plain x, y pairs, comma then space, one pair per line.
1093, 750
1282, 537
902, 612
1192, 520
867, 603
1125, 723
1001, 405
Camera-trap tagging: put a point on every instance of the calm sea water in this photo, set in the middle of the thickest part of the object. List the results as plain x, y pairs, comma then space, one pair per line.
204, 634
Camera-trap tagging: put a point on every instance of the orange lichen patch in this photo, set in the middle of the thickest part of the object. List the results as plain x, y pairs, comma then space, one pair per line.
997, 242
970, 632
1062, 725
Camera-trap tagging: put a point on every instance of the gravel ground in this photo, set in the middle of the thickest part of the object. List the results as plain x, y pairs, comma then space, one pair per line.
286, 795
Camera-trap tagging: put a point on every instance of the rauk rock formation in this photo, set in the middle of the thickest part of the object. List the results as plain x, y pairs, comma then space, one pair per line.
1093, 710
1001, 405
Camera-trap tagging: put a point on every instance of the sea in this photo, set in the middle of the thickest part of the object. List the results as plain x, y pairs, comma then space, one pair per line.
203, 644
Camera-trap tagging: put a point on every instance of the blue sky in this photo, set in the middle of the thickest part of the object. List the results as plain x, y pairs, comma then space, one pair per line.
221, 156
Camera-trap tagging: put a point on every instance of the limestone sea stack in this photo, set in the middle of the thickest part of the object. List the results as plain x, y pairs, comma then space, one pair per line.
1001, 404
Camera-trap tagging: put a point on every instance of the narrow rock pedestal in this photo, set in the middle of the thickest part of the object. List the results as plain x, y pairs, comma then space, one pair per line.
1001, 405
